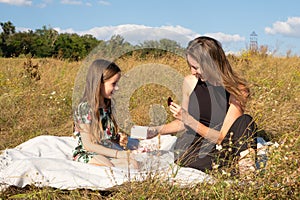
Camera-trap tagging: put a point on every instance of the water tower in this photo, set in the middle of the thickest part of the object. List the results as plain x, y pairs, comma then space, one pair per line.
253, 42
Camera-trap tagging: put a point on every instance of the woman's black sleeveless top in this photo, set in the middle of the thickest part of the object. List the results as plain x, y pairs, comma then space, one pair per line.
208, 104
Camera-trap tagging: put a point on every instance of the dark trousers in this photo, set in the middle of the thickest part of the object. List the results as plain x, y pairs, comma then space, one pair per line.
192, 150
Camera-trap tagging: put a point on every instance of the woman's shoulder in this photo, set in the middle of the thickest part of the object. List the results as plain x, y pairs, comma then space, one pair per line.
190, 77
189, 83
190, 80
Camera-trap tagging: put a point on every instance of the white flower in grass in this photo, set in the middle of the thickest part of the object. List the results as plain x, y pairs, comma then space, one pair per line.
53, 93
215, 166
218, 147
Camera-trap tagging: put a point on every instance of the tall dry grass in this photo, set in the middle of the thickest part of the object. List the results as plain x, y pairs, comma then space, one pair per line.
32, 107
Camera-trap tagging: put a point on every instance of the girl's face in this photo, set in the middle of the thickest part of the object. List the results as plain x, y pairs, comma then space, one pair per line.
110, 86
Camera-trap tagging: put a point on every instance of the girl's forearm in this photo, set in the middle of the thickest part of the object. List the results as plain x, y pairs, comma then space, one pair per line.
101, 150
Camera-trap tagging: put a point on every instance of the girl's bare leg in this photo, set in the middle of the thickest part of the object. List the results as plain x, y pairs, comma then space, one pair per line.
123, 163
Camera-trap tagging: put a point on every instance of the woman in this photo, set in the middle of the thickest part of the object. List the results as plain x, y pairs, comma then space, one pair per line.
212, 111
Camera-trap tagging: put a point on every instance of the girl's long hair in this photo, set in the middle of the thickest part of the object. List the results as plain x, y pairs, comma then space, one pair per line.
209, 54
99, 71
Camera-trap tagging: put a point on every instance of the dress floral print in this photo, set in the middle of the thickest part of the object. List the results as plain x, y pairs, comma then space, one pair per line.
83, 116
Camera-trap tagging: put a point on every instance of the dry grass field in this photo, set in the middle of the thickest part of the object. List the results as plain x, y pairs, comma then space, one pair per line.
36, 99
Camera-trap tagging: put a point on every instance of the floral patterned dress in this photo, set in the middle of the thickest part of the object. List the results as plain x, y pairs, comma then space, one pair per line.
83, 116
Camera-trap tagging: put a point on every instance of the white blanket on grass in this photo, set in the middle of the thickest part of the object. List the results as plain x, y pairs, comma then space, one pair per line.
47, 161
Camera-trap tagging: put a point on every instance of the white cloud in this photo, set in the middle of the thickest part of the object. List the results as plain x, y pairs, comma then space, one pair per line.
17, 2
226, 38
291, 27
104, 3
75, 2
59, 30
71, 2
22, 29
136, 34
44, 3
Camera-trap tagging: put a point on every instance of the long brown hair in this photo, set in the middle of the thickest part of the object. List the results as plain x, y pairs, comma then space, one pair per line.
209, 54
99, 71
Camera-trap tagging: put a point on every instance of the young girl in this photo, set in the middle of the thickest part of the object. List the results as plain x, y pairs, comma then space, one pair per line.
99, 142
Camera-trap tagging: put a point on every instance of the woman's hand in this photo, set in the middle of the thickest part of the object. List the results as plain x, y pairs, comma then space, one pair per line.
152, 132
179, 113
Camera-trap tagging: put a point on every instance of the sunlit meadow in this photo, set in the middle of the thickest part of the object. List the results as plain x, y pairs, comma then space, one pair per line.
36, 99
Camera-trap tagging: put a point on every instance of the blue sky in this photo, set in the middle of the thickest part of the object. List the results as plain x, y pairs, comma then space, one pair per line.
276, 22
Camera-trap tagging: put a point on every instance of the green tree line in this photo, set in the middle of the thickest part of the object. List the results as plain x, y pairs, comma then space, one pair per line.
47, 42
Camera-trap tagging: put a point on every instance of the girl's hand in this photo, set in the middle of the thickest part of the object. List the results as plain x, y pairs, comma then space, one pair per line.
179, 113
123, 140
125, 154
125, 158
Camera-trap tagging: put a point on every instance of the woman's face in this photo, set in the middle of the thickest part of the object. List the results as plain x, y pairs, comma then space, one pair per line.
195, 68
110, 86
197, 71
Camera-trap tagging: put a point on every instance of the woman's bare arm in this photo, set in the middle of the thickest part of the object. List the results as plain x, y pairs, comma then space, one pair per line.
176, 125
215, 136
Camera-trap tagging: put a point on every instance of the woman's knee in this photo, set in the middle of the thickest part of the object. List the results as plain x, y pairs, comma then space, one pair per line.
243, 128
245, 118
243, 124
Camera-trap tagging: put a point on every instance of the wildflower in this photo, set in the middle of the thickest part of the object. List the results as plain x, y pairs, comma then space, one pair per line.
218, 147
53, 93
223, 172
276, 145
215, 166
